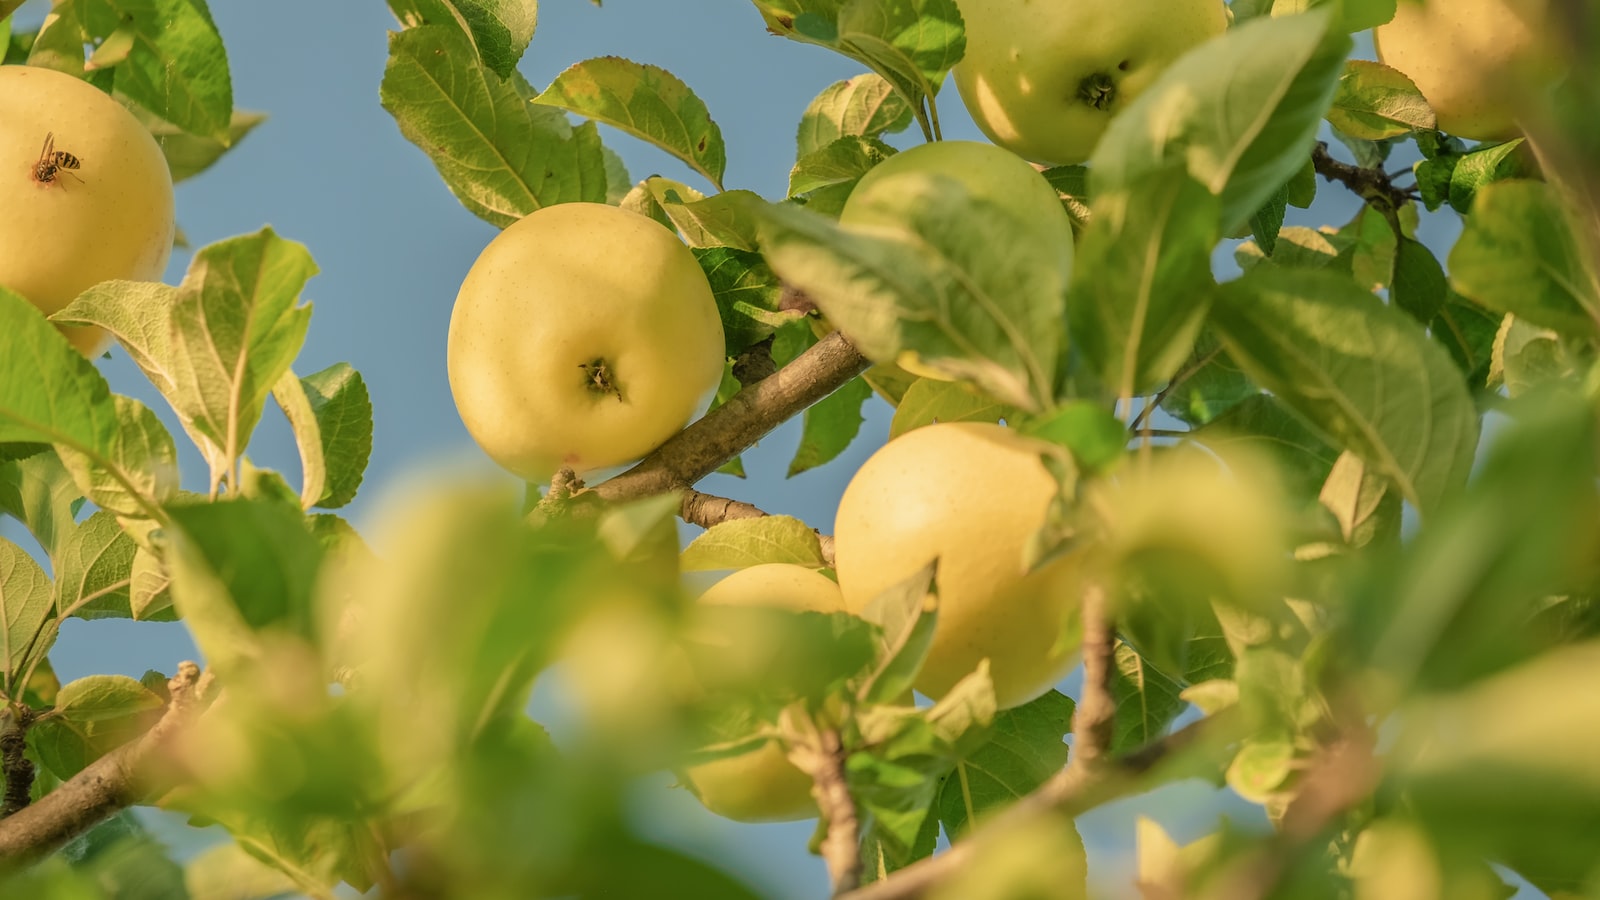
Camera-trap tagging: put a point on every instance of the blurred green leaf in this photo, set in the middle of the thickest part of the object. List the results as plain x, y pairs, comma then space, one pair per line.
227, 872
1262, 422
931, 400
1360, 499
1526, 355
1024, 749
1260, 768
864, 106
1092, 433
1215, 384
1238, 112
126, 861
741, 543
25, 605
906, 615
1361, 372
1419, 286
92, 717
647, 102
1142, 279
1374, 102
1519, 254
500, 155
190, 154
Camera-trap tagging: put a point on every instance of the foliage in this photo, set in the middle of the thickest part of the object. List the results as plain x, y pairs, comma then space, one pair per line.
1420, 421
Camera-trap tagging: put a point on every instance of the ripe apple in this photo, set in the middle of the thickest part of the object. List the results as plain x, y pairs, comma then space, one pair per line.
989, 173
762, 785
1471, 59
85, 194
1043, 79
971, 494
583, 336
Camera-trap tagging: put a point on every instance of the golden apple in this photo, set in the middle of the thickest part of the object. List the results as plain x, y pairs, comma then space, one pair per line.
583, 336
1472, 59
762, 785
971, 494
1044, 79
85, 194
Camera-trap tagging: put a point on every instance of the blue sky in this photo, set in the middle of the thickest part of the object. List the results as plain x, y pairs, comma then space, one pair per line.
330, 169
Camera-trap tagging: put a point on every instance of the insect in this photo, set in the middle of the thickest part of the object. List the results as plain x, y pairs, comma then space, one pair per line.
53, 162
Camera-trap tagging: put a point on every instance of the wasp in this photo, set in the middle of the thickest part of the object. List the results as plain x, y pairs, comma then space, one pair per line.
53, 162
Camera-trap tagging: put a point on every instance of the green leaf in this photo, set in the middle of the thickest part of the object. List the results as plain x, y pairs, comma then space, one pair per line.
176, 68
1526, 355
721, 220
1468, 332
647, 102
1092, 433
1147, 700
39, 493
1142, 279
237, 567
829, 425
930, 400
1363, 373
1262, 423
1362, 503
500, 155
499, 29
1260, 768
190, 154
1375, 102
906, 614
747, 294
149, 588
1215, 384
842, 162
227, 872
912, 44
1024, 749
1419, 285
1268, 221
236, 327
1485, 166
125, 861
961, 285
92, 717
1238, 112
863, 106
142, 452
1519, 254
741, 543
95, 570
25, 606
331, 414
50, 393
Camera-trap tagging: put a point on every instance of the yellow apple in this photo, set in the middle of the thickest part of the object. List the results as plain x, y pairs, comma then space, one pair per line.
1044, 79
971, 494
583, 336
85, 194
762, 785
990, 174
1472, 59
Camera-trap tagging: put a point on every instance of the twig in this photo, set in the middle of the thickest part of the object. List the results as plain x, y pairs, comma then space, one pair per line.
1071, 792
823, 759
115, 781
733, 427
18, 770
1371, 185
1177, 380
706, 510
1096, 711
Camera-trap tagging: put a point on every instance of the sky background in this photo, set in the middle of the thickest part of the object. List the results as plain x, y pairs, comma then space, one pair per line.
330, 169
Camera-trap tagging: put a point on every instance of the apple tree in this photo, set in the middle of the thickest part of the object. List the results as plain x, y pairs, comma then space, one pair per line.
1315, 509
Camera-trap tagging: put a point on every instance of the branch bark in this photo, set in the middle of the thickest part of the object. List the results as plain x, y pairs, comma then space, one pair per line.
119, 779
1095, 714
1371, 185
824, 760
18, 771
733, 427
706, 510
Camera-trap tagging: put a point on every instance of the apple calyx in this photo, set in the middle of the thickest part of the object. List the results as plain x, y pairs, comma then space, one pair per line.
1098, 90
598, 376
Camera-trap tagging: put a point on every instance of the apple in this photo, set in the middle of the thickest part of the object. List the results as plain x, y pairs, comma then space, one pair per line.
85, 194
1471, 59
989, 173
762, 785
971, 494
583, 336
1044, 79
